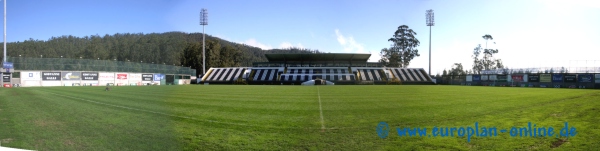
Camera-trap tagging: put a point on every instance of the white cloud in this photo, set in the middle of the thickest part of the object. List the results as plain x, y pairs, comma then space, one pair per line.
374, 56
253, 42
284, 45
348, 43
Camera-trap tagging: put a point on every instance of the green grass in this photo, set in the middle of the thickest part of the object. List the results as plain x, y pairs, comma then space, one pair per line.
223, 117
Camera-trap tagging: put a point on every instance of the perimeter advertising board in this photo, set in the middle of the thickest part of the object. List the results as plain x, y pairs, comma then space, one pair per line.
469, 78
493, 77
585, 78
533, 78
71, 76
517, 78
147, 77
135, 79
158, 78
476, 78
6, 77
30, 75
570, 78
51, 76
557, 78
485, 78
597, 77
545, 78
30, 78
89, 76
51, 79
501, 78
121, 79
106, 78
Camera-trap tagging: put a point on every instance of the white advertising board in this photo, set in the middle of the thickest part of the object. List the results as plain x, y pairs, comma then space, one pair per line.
106, 77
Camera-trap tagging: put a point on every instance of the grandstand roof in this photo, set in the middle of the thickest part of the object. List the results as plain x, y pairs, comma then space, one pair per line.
318, 57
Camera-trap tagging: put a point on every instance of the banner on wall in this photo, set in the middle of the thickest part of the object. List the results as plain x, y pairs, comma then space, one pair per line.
28, 75
517, 78
585, 78
5, 77
106, 76
533, 78
71, 75
135, 77
121, 76
502, 78
158, 77
545, 78
51, 76
597, 78
484, 78
476, 78
89, 76
493, 77
570, 78
469, 78
557, 78
147, 77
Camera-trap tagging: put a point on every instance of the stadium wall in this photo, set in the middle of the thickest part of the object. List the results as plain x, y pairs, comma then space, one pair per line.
550, 80
90, 78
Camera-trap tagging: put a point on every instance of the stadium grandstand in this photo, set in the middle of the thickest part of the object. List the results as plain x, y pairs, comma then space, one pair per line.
294, 69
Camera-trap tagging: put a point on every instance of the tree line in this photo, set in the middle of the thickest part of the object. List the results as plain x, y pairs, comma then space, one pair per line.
170, 48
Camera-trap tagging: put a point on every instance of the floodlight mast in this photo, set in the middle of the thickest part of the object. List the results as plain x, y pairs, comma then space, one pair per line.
430, 22
203, 22
4, 58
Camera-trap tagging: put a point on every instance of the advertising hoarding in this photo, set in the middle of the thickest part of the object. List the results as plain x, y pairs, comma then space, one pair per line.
5, 77
533, 78
485, 78
517, 78
469, 78
51, 76
121, 79
502, 78
106, 78
557, 78
147, 77
135, 77
545, 78
30, 75
71, 76
585, 78
597, 77
476, 78
89, 76
493, 77
158, 77
570, 78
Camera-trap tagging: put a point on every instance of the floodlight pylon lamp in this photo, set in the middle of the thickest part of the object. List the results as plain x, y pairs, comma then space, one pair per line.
204, 16
430, 18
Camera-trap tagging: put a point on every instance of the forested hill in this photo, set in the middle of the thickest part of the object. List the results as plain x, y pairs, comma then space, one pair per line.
176, 48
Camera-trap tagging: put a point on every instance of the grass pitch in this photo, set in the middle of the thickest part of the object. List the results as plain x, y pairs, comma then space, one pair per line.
231, 117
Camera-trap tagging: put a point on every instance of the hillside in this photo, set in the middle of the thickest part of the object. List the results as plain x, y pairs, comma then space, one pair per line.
176, 48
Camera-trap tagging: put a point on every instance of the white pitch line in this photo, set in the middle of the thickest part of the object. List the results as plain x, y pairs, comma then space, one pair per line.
321, 109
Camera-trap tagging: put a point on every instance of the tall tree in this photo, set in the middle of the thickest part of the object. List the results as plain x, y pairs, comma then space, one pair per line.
457, 69
487, 61
403, 48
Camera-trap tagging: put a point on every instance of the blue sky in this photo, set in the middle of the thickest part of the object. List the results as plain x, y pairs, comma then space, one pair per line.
528, 33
